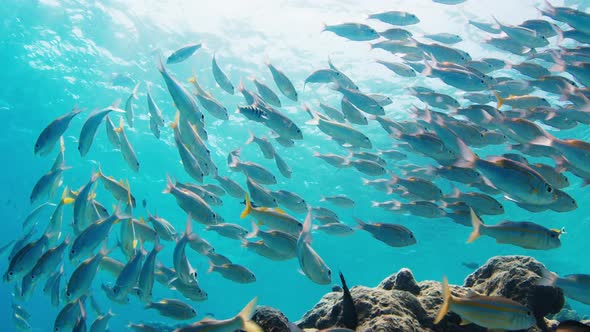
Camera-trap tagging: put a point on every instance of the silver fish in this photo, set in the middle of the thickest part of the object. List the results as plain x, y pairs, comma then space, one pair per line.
52, 133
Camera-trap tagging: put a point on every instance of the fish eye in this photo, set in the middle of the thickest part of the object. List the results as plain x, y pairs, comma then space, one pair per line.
193, 310
549, 189
10, 273
68, 294
329, 272
72, 251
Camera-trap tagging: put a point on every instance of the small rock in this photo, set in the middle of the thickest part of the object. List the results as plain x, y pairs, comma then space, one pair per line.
403, 280
270, 319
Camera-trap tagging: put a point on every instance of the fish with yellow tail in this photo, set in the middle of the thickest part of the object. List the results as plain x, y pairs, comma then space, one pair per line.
524, 234
242, 321
492, 312
274, 218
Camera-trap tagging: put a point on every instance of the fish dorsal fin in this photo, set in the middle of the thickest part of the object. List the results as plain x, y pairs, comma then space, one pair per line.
471, 293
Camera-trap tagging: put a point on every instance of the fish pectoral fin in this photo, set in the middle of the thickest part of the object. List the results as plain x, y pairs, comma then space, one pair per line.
510, 198
300, 271
464, 322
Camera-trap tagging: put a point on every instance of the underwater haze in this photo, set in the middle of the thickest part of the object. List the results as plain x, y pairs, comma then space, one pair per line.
60, 55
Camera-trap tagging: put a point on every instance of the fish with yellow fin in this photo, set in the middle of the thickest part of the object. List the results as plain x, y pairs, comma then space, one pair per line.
492, 312
274, 218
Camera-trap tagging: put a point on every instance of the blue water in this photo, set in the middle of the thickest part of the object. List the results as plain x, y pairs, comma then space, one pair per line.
55, 55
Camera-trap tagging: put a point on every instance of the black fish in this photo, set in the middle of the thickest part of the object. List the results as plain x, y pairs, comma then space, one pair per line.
572, 326
348, 317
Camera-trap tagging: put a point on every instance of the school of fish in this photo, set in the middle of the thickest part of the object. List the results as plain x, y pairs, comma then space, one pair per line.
524, 114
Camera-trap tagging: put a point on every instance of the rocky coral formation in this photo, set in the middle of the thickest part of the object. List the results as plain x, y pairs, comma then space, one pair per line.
400, 304
271, 320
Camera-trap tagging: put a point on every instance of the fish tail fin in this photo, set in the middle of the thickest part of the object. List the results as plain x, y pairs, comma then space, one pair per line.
543, 140
120, 215
559, 33
500, 100
211, 267
315, 120
250, 326
121, 125
456, 192
241, 86
427, 71
550, 8
157, 246
247, 209
255, 230
65, 199
467, 158
361, 224
134, 92
174, 124
161, 67
129, 197
246, 316
250, 138
93, 179
99, 172
559, 63
448, 298
548, 278
169, 185
477, 224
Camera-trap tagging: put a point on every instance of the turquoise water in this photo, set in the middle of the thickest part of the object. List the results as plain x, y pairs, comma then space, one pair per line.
59, 54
